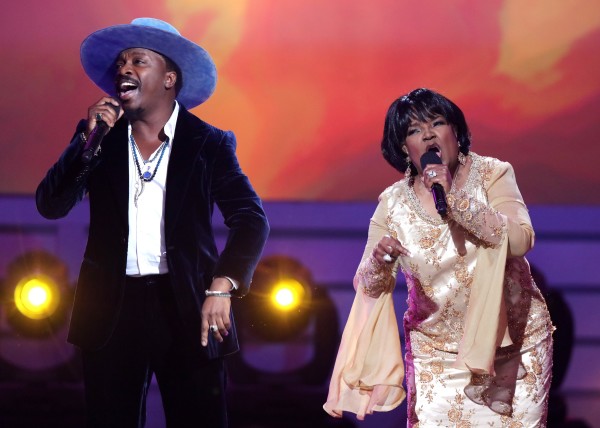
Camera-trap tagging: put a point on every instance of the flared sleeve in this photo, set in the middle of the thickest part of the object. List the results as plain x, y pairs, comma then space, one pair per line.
504, 227
369, 371
485, 321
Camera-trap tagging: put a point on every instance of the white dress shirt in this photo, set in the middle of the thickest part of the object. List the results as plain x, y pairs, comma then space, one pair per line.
146, 251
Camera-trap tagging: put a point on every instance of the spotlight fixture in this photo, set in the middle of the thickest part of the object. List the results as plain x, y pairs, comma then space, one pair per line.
288, 330
287, 326
40, 373
36, 294
287, 294
279, 303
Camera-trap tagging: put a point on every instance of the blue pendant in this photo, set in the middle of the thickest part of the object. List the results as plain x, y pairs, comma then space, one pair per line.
146, 175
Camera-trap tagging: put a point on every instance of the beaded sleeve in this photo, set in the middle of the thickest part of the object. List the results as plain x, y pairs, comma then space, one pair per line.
375, 278
500, 213
372, 277
485, 223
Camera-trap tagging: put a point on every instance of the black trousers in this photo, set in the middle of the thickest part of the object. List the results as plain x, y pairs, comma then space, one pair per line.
151, 340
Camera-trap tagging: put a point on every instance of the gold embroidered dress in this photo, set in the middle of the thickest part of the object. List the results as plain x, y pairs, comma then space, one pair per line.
478, 334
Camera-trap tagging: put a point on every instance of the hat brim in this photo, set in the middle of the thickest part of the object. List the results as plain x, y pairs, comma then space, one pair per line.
100, 49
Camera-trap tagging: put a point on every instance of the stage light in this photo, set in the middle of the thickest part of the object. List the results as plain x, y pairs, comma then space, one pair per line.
280, 299
288, 331
287, 294
40, 373
36, 294
37, 297
287, 325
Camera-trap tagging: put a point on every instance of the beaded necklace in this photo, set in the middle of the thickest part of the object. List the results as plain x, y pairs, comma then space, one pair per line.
145, 176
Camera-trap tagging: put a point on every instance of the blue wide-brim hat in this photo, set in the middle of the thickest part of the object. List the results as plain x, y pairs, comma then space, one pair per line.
100, 50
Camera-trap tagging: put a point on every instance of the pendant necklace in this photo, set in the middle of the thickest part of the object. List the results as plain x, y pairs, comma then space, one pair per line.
138, 189
146, 176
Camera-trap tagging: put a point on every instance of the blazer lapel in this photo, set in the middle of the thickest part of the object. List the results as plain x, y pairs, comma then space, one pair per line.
185, 160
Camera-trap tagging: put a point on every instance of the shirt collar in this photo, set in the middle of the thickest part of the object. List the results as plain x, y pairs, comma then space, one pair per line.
169, 127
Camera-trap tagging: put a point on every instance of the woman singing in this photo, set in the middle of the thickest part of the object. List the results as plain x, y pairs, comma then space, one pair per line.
478, 333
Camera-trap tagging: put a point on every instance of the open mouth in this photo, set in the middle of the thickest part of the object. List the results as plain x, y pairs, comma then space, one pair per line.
435, 149
126, 89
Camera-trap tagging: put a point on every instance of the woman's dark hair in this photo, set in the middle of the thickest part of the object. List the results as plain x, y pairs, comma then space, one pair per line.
421, 105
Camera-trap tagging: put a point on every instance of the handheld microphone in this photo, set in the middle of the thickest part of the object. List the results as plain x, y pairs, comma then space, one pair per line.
95, 138
439, 196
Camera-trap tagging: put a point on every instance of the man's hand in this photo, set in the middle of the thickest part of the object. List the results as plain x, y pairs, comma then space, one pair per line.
215, 312
103, 111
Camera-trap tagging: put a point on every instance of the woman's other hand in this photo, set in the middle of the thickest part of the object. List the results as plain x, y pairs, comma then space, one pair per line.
388, 249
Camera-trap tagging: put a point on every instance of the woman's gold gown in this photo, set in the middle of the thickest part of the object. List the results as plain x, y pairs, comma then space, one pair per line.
478, 333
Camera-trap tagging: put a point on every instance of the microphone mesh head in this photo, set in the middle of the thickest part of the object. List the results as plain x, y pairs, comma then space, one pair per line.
430, 157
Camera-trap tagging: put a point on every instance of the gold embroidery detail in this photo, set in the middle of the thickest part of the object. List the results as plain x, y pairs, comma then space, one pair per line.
463, 205
426, 377
530, 379
426, 242
450, 201
437, 367
454, 415
482, 221
375, 278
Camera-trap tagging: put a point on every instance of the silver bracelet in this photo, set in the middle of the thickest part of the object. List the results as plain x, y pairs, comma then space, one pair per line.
210, 293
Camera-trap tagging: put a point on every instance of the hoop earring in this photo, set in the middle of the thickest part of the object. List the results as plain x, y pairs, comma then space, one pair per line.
462, 159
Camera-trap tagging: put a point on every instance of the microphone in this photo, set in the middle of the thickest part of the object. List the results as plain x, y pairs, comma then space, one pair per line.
95, 138
439, 196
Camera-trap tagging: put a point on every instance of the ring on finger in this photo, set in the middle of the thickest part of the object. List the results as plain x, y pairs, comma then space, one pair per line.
98, 117
432, 174
387, 258
213, 328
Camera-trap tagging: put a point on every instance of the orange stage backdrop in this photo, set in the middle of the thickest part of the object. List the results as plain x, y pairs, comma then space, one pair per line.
305, 85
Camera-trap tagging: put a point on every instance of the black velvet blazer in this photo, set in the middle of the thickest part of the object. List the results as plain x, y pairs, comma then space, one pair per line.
202, 170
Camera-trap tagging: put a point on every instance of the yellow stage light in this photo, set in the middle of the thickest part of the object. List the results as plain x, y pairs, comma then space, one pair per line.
287, 327
37, 297
287, 294
279, 304
36, 294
